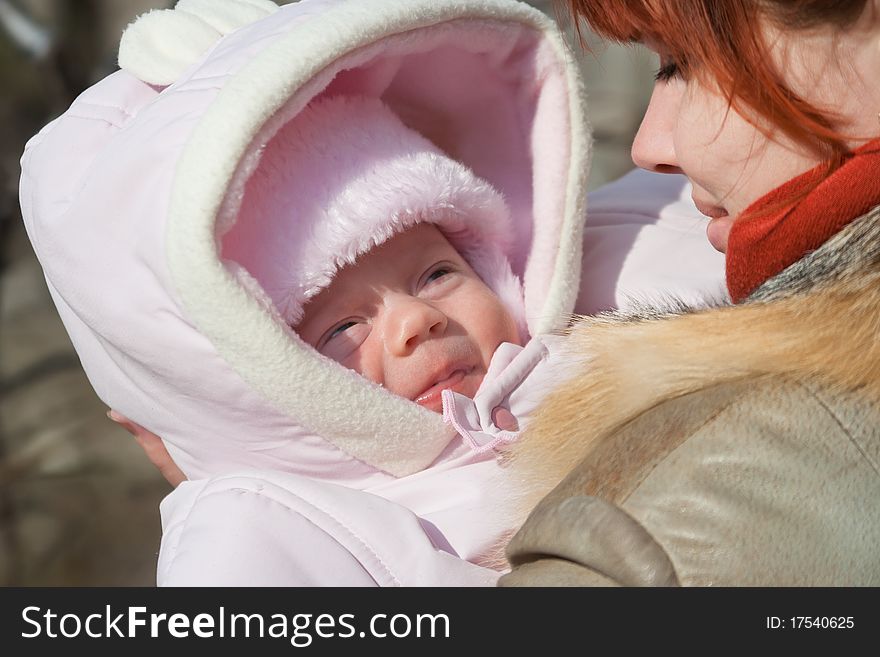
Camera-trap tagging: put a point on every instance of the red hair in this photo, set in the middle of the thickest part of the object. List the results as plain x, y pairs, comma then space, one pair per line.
721, 42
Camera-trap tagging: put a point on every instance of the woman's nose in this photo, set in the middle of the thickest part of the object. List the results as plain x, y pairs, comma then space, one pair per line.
653, 148
410, 322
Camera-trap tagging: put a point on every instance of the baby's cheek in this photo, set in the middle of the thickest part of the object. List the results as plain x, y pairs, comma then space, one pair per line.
491, 326
366, 362
506, 328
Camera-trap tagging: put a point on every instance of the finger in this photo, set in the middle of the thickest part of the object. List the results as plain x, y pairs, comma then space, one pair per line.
153, 447
159, 456
125, 423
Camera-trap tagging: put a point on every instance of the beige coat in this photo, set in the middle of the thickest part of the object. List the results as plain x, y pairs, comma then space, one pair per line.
731, 446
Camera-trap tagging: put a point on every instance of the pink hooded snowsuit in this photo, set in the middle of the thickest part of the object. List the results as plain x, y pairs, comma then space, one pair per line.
302, 472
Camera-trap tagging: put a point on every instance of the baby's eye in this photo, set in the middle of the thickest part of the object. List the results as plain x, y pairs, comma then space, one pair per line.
344, 339
339, 330
439, 280
440, 272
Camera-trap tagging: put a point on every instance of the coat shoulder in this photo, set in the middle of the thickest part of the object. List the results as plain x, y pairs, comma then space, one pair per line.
754, 483
770, 491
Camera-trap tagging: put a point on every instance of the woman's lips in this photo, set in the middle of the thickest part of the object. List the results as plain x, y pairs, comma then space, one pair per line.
432, 399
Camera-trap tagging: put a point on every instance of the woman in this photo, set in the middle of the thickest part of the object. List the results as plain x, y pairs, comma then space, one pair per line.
737, 445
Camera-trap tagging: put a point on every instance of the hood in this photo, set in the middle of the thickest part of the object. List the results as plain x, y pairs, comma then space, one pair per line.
127, 195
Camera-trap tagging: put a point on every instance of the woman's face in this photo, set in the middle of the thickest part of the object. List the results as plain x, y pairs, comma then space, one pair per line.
689, 127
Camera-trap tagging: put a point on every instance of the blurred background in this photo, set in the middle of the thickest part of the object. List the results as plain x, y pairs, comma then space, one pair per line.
78, 499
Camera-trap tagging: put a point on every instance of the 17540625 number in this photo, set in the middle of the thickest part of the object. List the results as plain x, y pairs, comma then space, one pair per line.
810, 622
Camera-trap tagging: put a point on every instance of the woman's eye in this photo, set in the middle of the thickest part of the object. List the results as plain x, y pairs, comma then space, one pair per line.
668, 70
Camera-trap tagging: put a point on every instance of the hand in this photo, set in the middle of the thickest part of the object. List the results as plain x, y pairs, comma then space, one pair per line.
153, 448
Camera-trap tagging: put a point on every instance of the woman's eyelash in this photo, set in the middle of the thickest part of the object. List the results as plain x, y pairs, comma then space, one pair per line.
667, 71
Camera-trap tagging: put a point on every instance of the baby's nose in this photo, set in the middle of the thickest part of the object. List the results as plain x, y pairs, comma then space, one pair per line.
411, 322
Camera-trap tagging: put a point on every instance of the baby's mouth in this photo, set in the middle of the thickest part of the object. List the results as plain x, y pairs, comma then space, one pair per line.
431, 397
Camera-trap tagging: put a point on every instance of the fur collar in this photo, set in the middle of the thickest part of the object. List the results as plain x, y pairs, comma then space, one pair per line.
819, 320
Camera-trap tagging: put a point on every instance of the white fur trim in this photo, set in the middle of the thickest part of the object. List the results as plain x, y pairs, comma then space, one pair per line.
362, 419
566, 280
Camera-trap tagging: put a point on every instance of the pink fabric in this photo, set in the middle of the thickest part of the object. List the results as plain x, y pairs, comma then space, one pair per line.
517, 380
275, 529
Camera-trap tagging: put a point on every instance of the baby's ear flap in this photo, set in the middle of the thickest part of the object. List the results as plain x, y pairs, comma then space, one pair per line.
157, 47
161, 44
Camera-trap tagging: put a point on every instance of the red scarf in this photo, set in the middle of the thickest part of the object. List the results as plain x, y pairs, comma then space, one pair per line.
760, 248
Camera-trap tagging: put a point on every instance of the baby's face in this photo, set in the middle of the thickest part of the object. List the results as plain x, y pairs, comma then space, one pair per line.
412, 316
